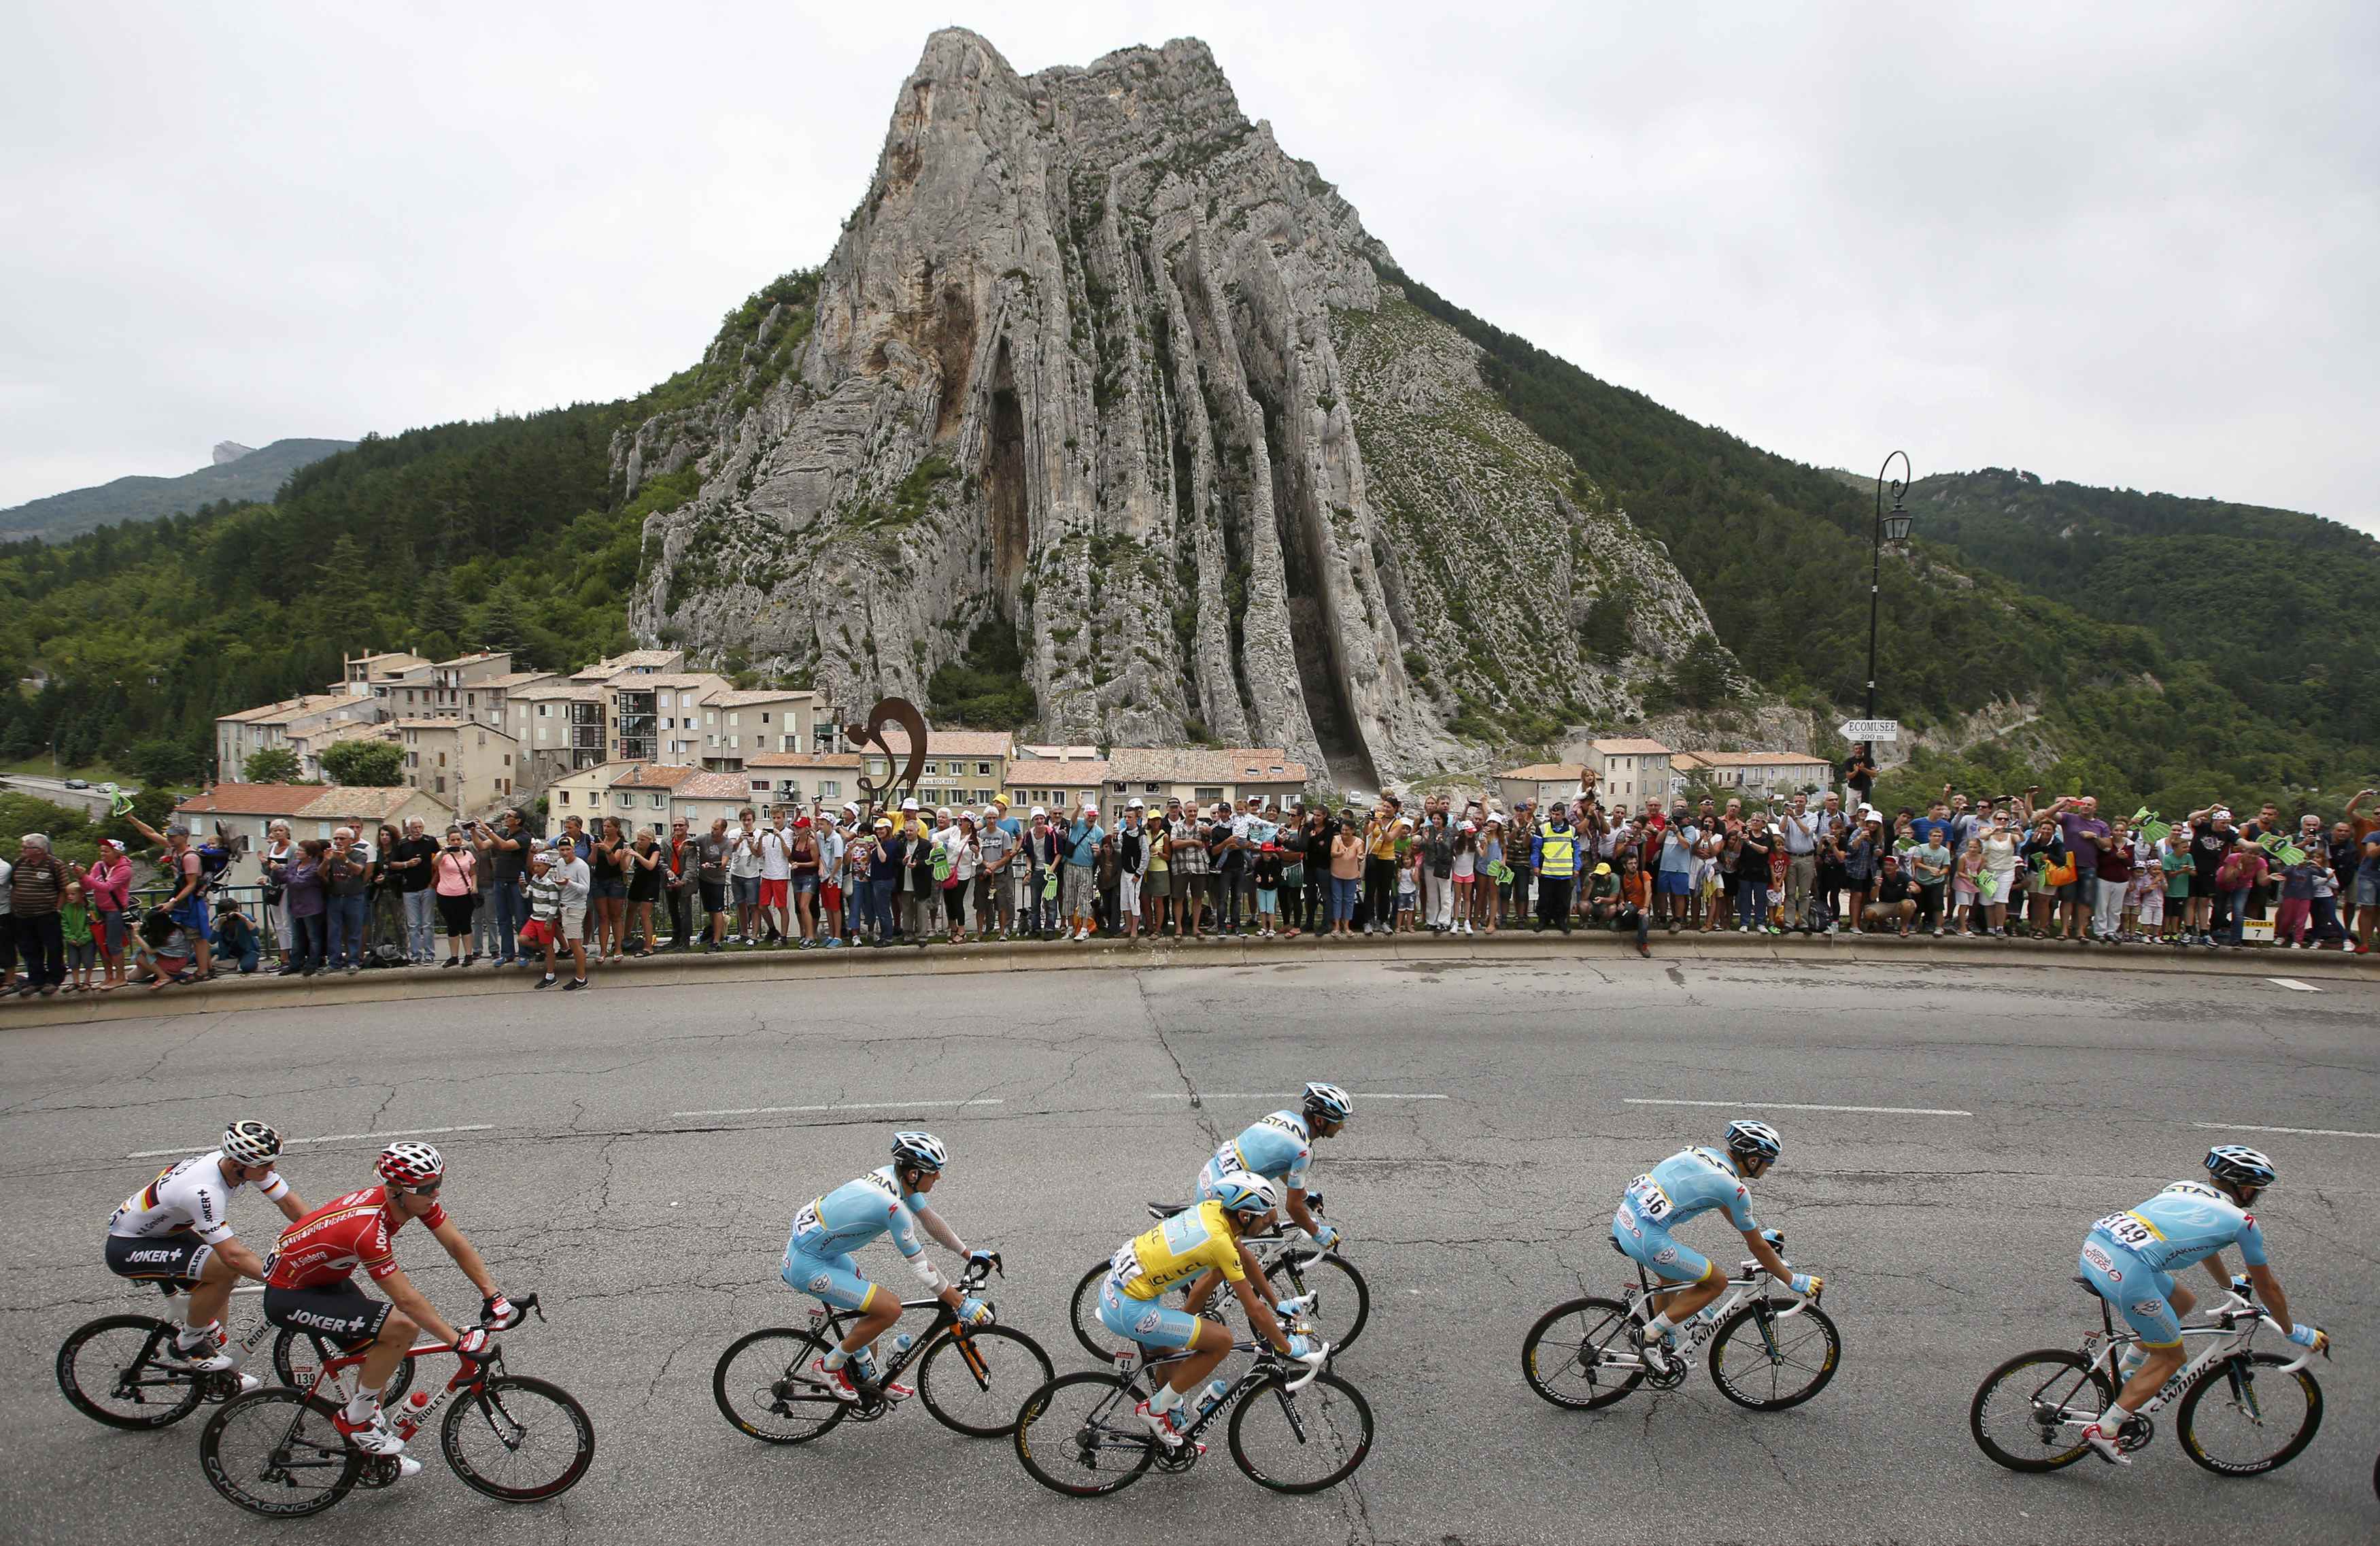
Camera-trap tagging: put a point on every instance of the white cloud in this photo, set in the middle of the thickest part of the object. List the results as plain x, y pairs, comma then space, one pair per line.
2120, 244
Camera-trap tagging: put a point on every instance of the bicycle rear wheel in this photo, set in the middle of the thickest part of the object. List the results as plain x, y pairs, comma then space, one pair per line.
275, 1451
518, 1438
1083, 1313
298, 1356
1767, 1362
1077, 1435
2029, 1414
2244, 1417
763, 1386
1581, 1354
1301, 1440
112, 1371
1343, 1300
969, 1380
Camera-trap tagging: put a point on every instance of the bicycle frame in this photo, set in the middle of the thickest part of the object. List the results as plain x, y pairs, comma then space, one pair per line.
470, 1374
1749, 1275
833, 1324
2239, 1321
1136, 1368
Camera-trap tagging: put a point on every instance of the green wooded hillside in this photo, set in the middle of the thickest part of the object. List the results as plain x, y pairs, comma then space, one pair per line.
1779, 553
2280, 605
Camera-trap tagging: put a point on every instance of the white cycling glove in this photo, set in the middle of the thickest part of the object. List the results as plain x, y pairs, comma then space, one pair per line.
2305, 1335
1806, 1285
1325, 1237
973, 1311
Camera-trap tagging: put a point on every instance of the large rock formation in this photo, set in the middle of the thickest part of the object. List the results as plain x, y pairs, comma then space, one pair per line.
1096, 356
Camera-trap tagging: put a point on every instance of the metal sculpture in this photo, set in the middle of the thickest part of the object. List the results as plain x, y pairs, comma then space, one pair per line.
889, 711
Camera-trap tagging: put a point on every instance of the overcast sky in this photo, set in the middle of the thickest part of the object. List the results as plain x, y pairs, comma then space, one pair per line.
2120, 244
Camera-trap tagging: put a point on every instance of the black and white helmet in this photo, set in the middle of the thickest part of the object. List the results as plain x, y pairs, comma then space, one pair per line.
1753, 1141
920, 1151
1329, 1101
2239, 1164
250, 1142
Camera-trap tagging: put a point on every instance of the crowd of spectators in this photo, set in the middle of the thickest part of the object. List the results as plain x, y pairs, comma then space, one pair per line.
499, 894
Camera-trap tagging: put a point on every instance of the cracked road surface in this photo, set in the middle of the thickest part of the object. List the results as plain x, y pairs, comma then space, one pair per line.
1947, 1240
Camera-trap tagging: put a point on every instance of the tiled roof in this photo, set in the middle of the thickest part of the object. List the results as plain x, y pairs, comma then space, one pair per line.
252, 799
469, 660
1544, 772
845, 761
736, 698
953, 743
712, 787
433, 721
643, 775
368, 804
1751, 759
1203, 765
1058, 753
298, 708
1628, 746
1048, 773
674, 680
575, 691
634, 658
511, 679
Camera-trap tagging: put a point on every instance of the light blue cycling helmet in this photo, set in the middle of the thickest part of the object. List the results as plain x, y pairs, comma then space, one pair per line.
1753, 1141
1246, 1194
2239, 1164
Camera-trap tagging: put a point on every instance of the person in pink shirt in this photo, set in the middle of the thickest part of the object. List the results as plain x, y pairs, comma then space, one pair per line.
108, 885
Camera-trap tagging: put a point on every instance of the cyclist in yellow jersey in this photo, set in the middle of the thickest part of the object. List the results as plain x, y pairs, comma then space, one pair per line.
1195, 1240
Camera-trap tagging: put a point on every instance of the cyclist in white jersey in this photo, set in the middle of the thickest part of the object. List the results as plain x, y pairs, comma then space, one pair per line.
176, 1231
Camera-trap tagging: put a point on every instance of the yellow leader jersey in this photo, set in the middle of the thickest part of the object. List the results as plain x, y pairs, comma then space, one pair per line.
1184, 1245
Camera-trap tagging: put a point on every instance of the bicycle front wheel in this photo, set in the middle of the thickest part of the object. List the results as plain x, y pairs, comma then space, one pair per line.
2029, 1414
1078, 1435
2244, 1417
113, 1372
275, 1451
519, 1439
298, 1356
765, 1389
1769, 1362
1301, 1440
969, 1379
1581, 1354
1343, 1302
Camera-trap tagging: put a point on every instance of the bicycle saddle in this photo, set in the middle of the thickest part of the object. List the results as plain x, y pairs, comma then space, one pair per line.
2088, 1285
1165, 1210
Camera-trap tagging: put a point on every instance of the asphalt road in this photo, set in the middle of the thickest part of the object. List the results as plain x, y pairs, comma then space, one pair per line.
608, 1155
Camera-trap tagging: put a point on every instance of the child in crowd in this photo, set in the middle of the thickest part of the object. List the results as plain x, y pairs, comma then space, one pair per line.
1705, 883
1966, 883
2145, 902
1780, 863
82, 949
1408, 883
1266, 871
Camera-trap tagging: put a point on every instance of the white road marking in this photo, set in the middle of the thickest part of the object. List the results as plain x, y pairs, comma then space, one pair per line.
2293, 983
1791, 1105
870, 1105
327, 1138
1283, 1095
2298, 1132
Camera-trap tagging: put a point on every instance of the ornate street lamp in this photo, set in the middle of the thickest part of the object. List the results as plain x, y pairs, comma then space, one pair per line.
1893, 528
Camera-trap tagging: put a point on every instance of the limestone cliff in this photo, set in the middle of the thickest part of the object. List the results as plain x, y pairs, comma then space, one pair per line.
1095, 355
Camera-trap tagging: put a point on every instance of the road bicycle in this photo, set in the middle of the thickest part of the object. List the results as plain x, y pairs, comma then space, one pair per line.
1296, 1428
1339, 1303
1768, 1350
966, 1375
120, 1370
2242, 1412
512, 1437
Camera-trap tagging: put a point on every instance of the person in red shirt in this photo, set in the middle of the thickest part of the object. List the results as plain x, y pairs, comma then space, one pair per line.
308, 1284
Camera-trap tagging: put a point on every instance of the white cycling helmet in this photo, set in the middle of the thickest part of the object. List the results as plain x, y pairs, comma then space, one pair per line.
1246, 1193
250, 1142
1753, 1141
1334, 1104
920, 1151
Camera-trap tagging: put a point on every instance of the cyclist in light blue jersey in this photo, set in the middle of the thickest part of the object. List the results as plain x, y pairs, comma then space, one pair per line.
2130, 1259
1280, 1147
818, 1259
1692, 1182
